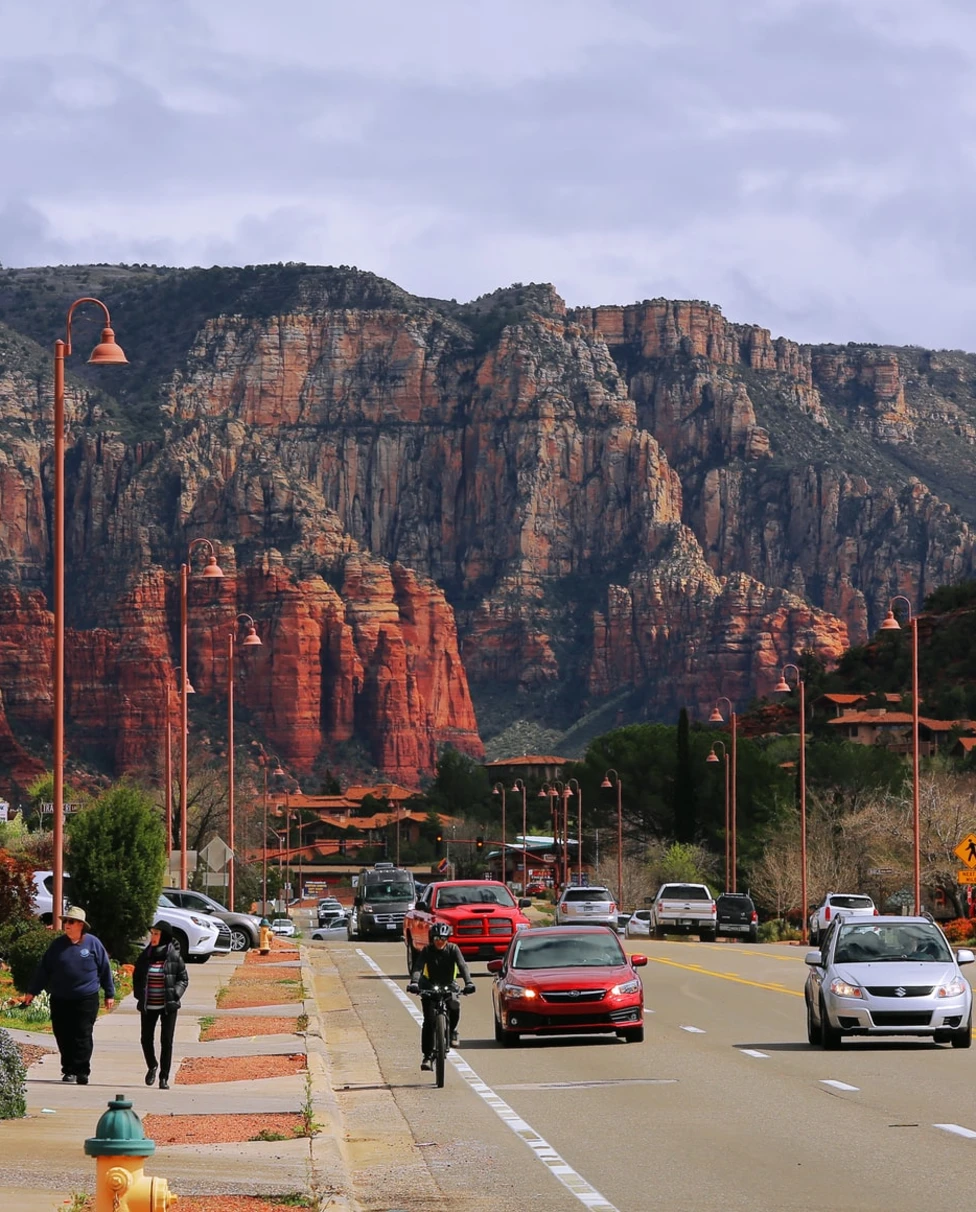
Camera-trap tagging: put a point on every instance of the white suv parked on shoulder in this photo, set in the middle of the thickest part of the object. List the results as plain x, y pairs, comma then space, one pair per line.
846, 904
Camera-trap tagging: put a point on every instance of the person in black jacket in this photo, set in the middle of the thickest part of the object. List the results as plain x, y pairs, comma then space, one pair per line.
439, 963
159, 982
72, 970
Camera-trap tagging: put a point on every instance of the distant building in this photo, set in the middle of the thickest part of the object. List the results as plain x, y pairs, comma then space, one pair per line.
529, 767
894, 729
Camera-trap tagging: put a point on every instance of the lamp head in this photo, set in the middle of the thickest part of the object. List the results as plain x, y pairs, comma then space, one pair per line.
716, 717
782, 686
252, 639
212, 569
890, 623
278, 773
712, 757
107, 352
188, 688
606, 782
494, 791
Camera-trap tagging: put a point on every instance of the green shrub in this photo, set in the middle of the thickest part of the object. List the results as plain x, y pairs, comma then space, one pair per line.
25, 955
13, 1080
778, 930
11, 931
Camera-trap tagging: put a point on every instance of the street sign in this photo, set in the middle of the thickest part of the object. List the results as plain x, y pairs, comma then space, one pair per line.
966, 876
174, 862
965, 852
217, 854
69, 806
4, 810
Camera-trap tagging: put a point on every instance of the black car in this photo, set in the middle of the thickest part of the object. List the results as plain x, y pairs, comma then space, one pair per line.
736, 917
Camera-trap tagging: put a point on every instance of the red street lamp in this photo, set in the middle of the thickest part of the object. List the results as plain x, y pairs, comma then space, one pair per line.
499, 789
251, 640
578, 792
105, 353
620, 832
891, 624
713, 757
519, 785
783, 687
211, 570
717, 718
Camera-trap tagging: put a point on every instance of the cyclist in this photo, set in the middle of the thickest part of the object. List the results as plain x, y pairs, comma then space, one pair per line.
438, 964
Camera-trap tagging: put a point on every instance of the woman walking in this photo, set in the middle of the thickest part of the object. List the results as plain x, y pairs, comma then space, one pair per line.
159, 982
72, 970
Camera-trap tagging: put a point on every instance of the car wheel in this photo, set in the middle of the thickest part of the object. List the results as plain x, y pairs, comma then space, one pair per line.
813, 1028
240, 940
706, 936
499, 1033
632, 1035
659, 932
508, 1039
814, 937
830, 1036
963, 1038
753, 936
410, 954
184, 944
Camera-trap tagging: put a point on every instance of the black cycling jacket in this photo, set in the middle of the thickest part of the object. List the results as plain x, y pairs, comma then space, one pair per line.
433, 967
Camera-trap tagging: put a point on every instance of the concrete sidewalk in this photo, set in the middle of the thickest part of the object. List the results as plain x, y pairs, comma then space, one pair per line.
42, 1160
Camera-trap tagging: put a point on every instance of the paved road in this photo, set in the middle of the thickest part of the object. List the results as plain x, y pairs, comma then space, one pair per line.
723, 1107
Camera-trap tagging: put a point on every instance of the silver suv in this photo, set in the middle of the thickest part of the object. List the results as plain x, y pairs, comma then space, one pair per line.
592, 905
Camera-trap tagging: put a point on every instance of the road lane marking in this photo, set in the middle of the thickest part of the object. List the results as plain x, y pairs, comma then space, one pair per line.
722, 976
619, 1081
828, 1081
957, 1130
694, 1030
756, 1053
554, 1163
758, 953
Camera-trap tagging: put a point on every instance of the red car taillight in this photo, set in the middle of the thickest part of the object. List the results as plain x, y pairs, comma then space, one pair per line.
613, 907
827, 914
875, 913
755, 916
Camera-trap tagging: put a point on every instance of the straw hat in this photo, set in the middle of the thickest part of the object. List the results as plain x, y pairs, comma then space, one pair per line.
74, 914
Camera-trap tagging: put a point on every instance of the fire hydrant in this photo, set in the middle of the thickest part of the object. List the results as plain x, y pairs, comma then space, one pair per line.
119, 1148
265, 936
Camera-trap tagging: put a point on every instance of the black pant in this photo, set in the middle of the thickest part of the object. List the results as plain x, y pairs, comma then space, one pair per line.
427, 1031
73, 1020
167, 1028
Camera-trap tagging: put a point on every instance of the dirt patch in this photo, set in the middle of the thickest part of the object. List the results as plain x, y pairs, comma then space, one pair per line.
233, 1203
284, 972
196, 1070
29, 1053
234, 1027
218, 1129
245, 996
276, 956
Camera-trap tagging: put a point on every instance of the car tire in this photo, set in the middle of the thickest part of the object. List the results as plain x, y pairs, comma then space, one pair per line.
830, 1036
410, 954
814, 937
632, 1035
240, 940
813, 1028
963, 1038
184, 944
706, 936
659, 932
753, 936
507, 1039
499, 1032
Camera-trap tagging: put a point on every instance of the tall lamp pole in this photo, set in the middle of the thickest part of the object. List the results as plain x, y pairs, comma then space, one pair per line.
251, 640
713, 757
212, 569
499, 789
519, 785
783, 687
891, 624
105, 353
577, 790
620, 831
717, 718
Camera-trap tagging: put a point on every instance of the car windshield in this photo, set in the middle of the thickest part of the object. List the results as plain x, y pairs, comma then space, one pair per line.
164, 902
282, 921
684, 892
388, 891
586, 894
475, 894
872, 944
567, 951
734, 902
851, 902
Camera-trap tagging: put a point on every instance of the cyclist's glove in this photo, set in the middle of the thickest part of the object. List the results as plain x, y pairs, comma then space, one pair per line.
413, 987
469, 987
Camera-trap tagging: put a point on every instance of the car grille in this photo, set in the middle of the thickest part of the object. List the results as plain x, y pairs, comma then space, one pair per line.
574, 995
223, 938
473, 927
901, 1018
396, 916
905, 990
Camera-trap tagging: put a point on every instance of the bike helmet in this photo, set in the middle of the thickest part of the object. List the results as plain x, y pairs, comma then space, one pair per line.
438, 930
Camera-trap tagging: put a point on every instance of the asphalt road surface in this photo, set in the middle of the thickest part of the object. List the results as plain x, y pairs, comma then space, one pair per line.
723, 1107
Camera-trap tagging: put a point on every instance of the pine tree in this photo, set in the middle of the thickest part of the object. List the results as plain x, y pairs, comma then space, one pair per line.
685, 791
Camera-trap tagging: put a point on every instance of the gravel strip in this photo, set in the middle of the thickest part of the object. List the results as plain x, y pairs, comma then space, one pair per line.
29, 1053
243, 997
218, 1129
201, 1070
245, 1026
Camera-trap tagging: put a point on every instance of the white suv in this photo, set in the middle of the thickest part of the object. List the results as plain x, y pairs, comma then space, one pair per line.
44, 894
592, 905
199, 935
846, 904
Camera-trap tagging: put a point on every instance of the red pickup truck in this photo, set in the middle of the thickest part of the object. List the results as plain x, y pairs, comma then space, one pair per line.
483, 916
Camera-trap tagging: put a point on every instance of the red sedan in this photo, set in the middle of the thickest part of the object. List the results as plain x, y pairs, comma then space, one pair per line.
567, 980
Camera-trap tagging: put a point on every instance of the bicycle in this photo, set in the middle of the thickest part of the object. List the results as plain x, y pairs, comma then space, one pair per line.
440, 995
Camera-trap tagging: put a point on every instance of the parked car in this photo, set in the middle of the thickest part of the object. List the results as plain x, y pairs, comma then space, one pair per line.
199, 935
621, 923
851, 904
639, 924
683, 909
887, 976
593, 905
567, 980
244, 927
44, 894
283, 926
736, 917
332, 931
538, 888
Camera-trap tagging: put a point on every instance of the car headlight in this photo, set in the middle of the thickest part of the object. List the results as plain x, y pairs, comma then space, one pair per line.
627, 987
955, 988
519, 991
842, 989
202, 922
522, 925
368, 908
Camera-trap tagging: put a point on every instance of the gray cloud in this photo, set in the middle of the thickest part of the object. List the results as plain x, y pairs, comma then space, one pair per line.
807, 164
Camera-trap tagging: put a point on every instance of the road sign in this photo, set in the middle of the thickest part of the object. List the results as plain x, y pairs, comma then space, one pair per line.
966, 876
69, 806
217, 854
966, 850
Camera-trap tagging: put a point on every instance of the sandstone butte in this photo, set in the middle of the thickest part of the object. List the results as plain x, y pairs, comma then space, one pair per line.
423, 505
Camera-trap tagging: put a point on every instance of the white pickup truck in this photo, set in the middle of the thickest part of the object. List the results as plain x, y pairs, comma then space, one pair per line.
683, 909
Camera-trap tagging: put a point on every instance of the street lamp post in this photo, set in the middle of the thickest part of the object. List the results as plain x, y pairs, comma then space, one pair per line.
499, 789
783, 687
717, 718
519, 785
713, 757
105, 353
578, 792
212, 569
251, 640
891, 624
620, 831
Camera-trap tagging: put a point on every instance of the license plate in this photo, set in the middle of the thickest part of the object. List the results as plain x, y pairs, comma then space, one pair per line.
731, 926
686, 921
391, 925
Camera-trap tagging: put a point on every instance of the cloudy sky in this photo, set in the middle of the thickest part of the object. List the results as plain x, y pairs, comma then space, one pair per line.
807, 164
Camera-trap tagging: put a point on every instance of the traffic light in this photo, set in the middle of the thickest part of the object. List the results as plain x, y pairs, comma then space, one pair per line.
479, 843
440, 841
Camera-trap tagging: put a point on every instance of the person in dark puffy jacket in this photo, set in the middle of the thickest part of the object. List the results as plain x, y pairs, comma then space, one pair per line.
159, 982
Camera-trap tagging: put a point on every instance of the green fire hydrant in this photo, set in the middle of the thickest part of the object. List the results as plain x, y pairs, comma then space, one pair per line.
119, 1148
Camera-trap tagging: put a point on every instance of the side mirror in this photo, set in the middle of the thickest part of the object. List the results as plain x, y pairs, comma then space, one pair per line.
638, 960
965, 956
813, 958
525, 902
495, 965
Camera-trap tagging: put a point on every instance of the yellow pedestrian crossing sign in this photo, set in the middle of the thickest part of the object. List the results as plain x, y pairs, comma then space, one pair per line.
966, 850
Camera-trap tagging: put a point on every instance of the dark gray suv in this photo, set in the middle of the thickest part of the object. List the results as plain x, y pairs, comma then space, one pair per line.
244, 927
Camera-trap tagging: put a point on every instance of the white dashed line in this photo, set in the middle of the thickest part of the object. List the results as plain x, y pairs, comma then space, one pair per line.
694, 1030
753, 1052
556, 1165
956, 1130
826, 1081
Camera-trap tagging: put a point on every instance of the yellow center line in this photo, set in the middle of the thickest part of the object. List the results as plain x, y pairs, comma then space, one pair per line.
759, 953
725, 976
